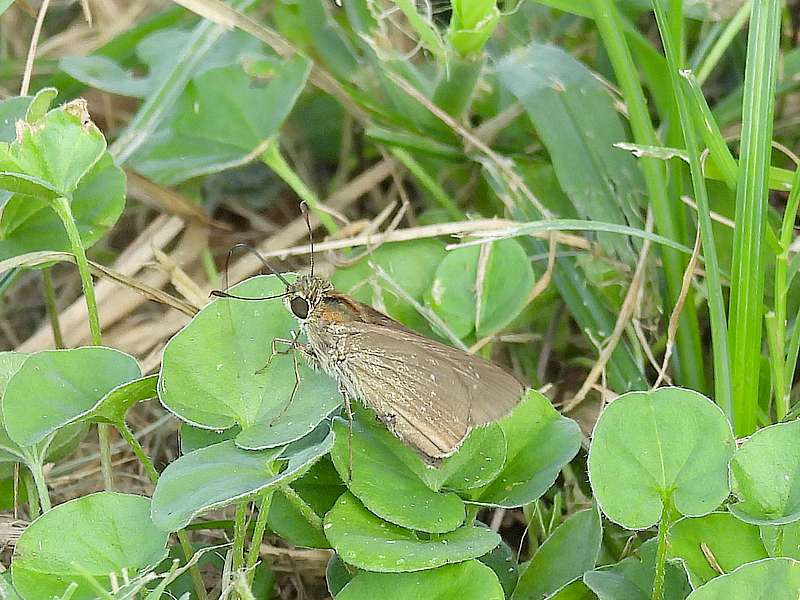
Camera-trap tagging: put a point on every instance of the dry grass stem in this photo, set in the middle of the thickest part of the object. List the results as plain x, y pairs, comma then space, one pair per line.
625, 312
504, 164
675, 317
37, 30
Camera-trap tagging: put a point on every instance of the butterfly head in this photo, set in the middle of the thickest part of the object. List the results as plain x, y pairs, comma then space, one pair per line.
305, 294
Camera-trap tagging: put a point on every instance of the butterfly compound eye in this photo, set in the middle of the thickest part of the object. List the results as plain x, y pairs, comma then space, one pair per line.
299, 307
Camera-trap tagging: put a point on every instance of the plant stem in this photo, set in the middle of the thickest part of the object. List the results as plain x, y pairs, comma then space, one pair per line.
242, 586
194, 570
239, 533
62, 207
302, 507
34, 508
258, 534
52, 308
661, 552
35, 467
128, 436
273, 158
105, 456
64, 211
472, 513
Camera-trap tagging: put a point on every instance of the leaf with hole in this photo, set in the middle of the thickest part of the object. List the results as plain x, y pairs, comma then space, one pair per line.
223, 117
368, 542
61, 148
122, 541
211, 373
648, 448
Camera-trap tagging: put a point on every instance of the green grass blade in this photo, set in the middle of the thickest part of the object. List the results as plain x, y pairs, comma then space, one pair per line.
749, 252
716, 305
688, 354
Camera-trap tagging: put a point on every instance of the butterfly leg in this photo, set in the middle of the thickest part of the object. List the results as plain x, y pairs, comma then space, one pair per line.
290, 346
349, 411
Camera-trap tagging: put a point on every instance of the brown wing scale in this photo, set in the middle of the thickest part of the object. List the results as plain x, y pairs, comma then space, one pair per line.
428, 393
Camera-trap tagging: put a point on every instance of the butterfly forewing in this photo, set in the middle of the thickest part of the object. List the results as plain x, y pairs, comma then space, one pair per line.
427, 393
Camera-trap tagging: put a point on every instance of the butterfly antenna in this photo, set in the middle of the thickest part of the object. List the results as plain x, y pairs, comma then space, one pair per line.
257, 254
304, 210
223, 294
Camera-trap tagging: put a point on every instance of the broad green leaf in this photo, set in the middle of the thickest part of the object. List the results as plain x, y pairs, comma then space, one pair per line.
540, 441
668, 445
719, 537
577, 590
603, 182
60, 149
483, 300
194, 438
28, 186
570, 551
113, 407
469, 580
211, 371
62, 386
10, 362
40, 104
503, 561
337, 575
28, 224
96, 535
63, 443
365, 541
768, 579
476, 463
411, 265
222, 117
7, 591
221, 474
766, 476
386, 478
104, 74
782, 540
632, 578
